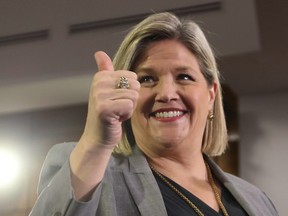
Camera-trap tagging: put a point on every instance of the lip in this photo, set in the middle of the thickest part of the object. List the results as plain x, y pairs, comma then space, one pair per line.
168, 114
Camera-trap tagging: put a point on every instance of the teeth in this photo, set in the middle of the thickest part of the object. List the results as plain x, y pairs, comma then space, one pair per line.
169, 114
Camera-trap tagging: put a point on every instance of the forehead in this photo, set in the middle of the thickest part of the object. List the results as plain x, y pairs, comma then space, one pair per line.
167, 52
166, 48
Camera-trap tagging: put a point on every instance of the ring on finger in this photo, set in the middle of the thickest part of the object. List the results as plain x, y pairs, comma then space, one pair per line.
123, 83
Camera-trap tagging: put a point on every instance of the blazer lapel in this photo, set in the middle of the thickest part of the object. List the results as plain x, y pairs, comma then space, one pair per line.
143, 186
241, 199
235, 190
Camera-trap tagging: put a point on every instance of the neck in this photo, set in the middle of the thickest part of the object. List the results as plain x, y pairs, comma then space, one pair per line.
193, 165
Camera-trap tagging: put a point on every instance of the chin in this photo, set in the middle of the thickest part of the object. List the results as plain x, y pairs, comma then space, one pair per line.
169, 142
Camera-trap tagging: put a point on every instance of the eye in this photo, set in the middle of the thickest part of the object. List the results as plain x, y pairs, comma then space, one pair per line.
185, 77
146, 80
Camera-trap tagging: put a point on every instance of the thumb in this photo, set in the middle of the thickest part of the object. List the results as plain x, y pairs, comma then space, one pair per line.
103, 61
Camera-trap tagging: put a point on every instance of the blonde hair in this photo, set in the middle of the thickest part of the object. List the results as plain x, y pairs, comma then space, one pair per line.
163, 26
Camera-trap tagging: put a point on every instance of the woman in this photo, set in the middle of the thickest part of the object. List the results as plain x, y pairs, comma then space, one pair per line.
155, 117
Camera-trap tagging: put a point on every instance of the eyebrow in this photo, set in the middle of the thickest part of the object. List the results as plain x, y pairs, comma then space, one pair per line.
145, 70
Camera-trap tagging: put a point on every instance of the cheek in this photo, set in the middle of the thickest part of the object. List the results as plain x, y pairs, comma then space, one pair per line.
144, 103
139, 119
197, 100
139, 115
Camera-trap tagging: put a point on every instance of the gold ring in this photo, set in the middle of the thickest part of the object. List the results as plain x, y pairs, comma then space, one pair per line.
123, 83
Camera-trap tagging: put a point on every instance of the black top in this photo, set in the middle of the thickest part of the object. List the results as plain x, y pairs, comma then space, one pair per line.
176, 206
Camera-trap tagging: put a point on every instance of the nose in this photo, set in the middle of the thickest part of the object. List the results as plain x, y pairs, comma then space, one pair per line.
166, 90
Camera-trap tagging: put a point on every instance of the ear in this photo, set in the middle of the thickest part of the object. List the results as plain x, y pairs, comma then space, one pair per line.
212, 95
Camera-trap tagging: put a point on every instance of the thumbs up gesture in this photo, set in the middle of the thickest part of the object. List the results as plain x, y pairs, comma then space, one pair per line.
109, 105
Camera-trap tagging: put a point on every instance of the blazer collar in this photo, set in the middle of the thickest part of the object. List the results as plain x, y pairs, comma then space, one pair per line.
234, 189
149, 199
143, 186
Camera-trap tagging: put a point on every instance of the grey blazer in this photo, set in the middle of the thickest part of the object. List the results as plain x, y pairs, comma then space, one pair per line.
128, 189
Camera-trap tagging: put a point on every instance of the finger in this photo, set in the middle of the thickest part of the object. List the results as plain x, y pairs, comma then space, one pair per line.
126, 110
103, 61
121, 109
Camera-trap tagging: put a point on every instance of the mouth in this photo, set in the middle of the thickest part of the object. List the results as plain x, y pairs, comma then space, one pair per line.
166, 114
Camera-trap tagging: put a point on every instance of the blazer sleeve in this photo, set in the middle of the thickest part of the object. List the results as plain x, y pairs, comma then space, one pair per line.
55, 193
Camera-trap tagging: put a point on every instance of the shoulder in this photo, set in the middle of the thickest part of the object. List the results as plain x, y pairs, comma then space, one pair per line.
241, 183
62, 149
248, 195
55, 159
251, 194
58, 154
233, 182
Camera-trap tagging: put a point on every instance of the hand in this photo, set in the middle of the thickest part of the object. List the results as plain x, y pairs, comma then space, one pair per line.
108, 106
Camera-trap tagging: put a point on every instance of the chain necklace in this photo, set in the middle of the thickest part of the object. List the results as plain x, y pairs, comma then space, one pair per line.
188, 201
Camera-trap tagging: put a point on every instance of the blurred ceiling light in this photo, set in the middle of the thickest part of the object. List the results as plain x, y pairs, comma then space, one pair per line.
9, 167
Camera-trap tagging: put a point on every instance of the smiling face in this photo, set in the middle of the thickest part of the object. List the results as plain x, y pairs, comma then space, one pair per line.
174, 99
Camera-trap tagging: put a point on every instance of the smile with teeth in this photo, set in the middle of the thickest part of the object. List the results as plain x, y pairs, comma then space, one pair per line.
168, 114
